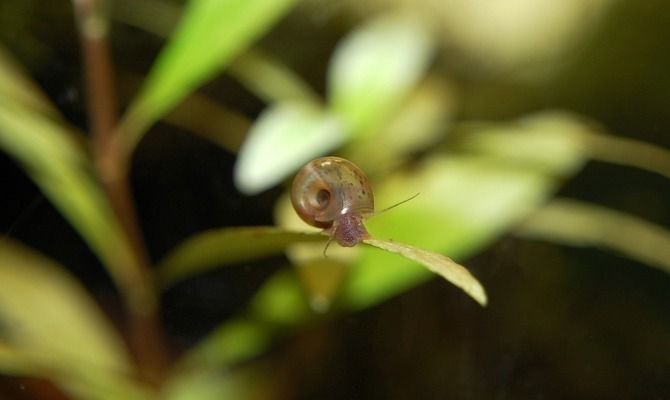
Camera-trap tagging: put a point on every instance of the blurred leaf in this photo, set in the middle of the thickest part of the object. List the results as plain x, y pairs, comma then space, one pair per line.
155, 16
284, 138
270, 80
281, 301
51, 326
259, 72
570, 138
321, 278
582, 224
15, 85
235, 341
551, 141
373, 70
214, 248
240, 384
205, 117
437, 263
210, 35
424, 120
629, 152
279, 304
51, 156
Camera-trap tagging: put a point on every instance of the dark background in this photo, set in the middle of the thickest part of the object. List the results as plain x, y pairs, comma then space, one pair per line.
562, 322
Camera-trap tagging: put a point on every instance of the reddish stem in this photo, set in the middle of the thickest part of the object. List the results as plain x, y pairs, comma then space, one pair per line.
111, 165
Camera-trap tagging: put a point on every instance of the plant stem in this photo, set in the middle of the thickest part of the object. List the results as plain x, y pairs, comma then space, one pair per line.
112, 168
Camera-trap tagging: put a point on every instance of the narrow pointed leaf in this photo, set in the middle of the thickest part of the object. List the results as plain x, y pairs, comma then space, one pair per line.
50, 154
629, 152
219, 247
581, 224
210, 34
439, 264
15, 85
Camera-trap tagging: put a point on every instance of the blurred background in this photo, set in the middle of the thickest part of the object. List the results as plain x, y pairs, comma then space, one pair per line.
566, 230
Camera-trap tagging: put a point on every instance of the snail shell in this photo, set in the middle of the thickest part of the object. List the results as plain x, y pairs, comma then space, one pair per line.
334, 194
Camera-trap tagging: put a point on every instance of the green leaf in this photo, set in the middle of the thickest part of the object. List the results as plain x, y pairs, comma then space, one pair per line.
239, 384
279, 305
235, 341
51, 327
437, 263
581, 224
259, 72
210, 35
281, 301
284, 138
53, 158
270, 80
218, 247
374, 69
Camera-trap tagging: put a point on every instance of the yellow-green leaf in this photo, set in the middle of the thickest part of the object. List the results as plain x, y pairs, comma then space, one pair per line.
241, 384
549, 141
279, 305
581, 224
51, 155
437, 263
15, 85
629, 152
218, 247
49, 321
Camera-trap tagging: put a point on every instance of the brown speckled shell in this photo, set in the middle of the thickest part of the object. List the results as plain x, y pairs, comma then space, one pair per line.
346, 188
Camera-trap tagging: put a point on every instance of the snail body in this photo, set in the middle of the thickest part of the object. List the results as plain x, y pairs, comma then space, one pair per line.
334, 194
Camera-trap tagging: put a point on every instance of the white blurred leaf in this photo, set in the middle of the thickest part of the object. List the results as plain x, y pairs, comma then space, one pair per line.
284, 138
374, 68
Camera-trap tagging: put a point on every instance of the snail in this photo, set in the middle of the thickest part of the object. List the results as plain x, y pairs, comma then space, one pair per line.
334, 194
